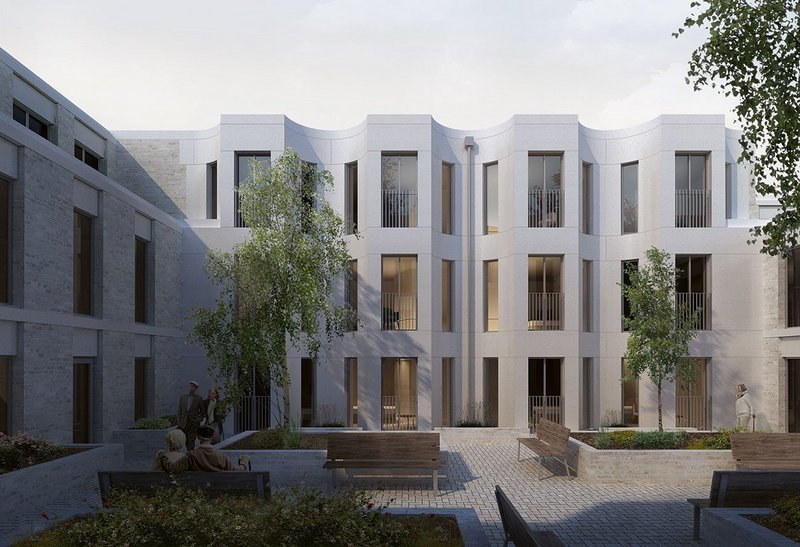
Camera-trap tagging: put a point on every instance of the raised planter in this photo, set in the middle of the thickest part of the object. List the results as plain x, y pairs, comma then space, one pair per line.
468, 523
731, 528
51, 488
140, 445
665, 466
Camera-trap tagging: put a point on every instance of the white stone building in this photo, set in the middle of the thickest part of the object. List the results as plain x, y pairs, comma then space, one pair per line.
488, 268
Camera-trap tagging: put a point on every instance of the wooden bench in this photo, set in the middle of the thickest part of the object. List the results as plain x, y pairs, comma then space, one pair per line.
551, 441
219, 483
515, 527
766, 451
746, 489
381, 450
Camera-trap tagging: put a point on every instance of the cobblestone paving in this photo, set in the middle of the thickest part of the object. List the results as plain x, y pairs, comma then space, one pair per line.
580, 513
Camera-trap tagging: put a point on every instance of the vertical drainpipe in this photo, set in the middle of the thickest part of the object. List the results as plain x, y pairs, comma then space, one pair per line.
469, 142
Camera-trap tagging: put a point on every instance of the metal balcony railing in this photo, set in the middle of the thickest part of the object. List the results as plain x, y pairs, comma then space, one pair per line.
399, 208
543, 406
692, 208
544, 208
252, 412
545, 310
690, 302
692, 411
399, 311
398, 413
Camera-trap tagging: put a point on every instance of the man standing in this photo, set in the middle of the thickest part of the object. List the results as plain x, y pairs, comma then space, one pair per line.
744, 408
190, 413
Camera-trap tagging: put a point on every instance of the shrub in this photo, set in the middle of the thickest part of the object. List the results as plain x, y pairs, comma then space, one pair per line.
332, 424
786, 519
151, 423
621, 439
268, 439
659, 439
469, 423
171, 418
602, 440
23, 450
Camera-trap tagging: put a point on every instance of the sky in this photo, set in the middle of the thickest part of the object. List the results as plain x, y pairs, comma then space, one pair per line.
177, 64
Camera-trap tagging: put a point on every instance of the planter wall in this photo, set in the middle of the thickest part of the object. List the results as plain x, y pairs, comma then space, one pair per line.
52, 487
666, 466
730, 528
140, 445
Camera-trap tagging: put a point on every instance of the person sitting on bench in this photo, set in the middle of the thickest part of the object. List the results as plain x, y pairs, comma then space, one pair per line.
203, 458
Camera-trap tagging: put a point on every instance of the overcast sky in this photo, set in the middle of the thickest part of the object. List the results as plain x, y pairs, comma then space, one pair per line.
176, 64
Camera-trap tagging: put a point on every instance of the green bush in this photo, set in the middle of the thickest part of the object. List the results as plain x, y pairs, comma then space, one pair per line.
171, 418
650, 440
151, 423
182, 517
602, 440
786, 519
268, 439
332, 424
621, 439
22, 450
470, 423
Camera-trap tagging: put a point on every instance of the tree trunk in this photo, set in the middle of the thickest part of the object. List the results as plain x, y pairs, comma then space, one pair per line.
660, 424
285, 393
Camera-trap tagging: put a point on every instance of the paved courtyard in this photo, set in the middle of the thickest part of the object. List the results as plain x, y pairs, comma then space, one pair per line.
580, 513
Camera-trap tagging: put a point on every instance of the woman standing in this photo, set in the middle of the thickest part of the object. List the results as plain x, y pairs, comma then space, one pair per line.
214, 414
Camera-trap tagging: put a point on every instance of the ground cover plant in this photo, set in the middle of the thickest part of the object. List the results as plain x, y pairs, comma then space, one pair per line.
281, 438
22, 450
629, 439
156, 423
294, 517
785, 521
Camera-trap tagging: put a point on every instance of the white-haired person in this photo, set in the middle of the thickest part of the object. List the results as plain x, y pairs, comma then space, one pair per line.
175, 440
203, 458
744, 408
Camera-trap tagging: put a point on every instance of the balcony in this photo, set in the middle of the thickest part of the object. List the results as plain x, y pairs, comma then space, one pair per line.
398, 413
545, 311
399, 311
691, 208
546, 407
544, 208
399, 208
692, 411
690, 302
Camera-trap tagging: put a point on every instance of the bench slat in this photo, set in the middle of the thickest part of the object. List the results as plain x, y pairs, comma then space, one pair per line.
384, 446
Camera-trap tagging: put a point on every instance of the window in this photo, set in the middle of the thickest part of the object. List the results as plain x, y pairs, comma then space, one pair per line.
447, 295
5, 241
627, 267
491, 295
211, 190
31, 121
793, 395
630, 398
491, 391
140, 291
351, 198
399, 184
243, 173
307, 391
82, 264
398, 393
544, 391
692, 291
351, 384
692, 405
447, 391
81, 402
728, 190
491, 214
5, 394
308, 191
793, 288
351, 294
447, 198
87, 157
586, 182
140, 389
692, 198
587, 296
544, 191
545, 299
587, 401
630, 198
399, 292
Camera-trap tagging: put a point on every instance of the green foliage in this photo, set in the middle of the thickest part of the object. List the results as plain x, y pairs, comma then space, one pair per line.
23, 450
602, 440
752, 54
332, 424
652, 440
470, 423
278, 283
621, 439
292, 438
277, 438
171, 418
786, 519
174, 516
151, 423
659, 328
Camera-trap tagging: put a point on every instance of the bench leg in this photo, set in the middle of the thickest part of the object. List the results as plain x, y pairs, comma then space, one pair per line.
567, 468
435, 482
333, 480
505, 543
696, 528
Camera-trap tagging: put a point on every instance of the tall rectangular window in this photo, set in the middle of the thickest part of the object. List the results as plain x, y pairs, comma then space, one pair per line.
630, 198
587, 296
491, 296
351, 293
545, 194
139, 389
447, 198
491, 213
586, 182
399, 185
351, 385
5, 241
351, 198
308, 372
544, 391
447, 295
87, 157
692, 404
82, 264
692, 289
398, 393
447, 391
491, 391
545, 298
793, 288
399, 292
5, 395
243, 173
30, 120
627, 267
211, 190
793, 395
728, 190
140, 291
692, 198
630, 398
81, 402
587, 390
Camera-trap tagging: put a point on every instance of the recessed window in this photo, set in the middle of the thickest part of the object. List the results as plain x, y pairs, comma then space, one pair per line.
447, 295
628, 266
31, 121
793, 288
5, 394
243, 173
630, 198
351, 384
491, 213
140, 389
5, 241
545, 194
81, 402
87, 157
545, 299
140, 287
587, 296
692, 197
399, 184
399, 293
351, 294
82, 263
211, 190
447, 198
308, 377
351, 198
586, 182
491, 295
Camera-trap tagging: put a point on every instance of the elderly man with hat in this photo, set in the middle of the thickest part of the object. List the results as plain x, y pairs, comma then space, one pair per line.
190, 413
203, 458
744, 408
